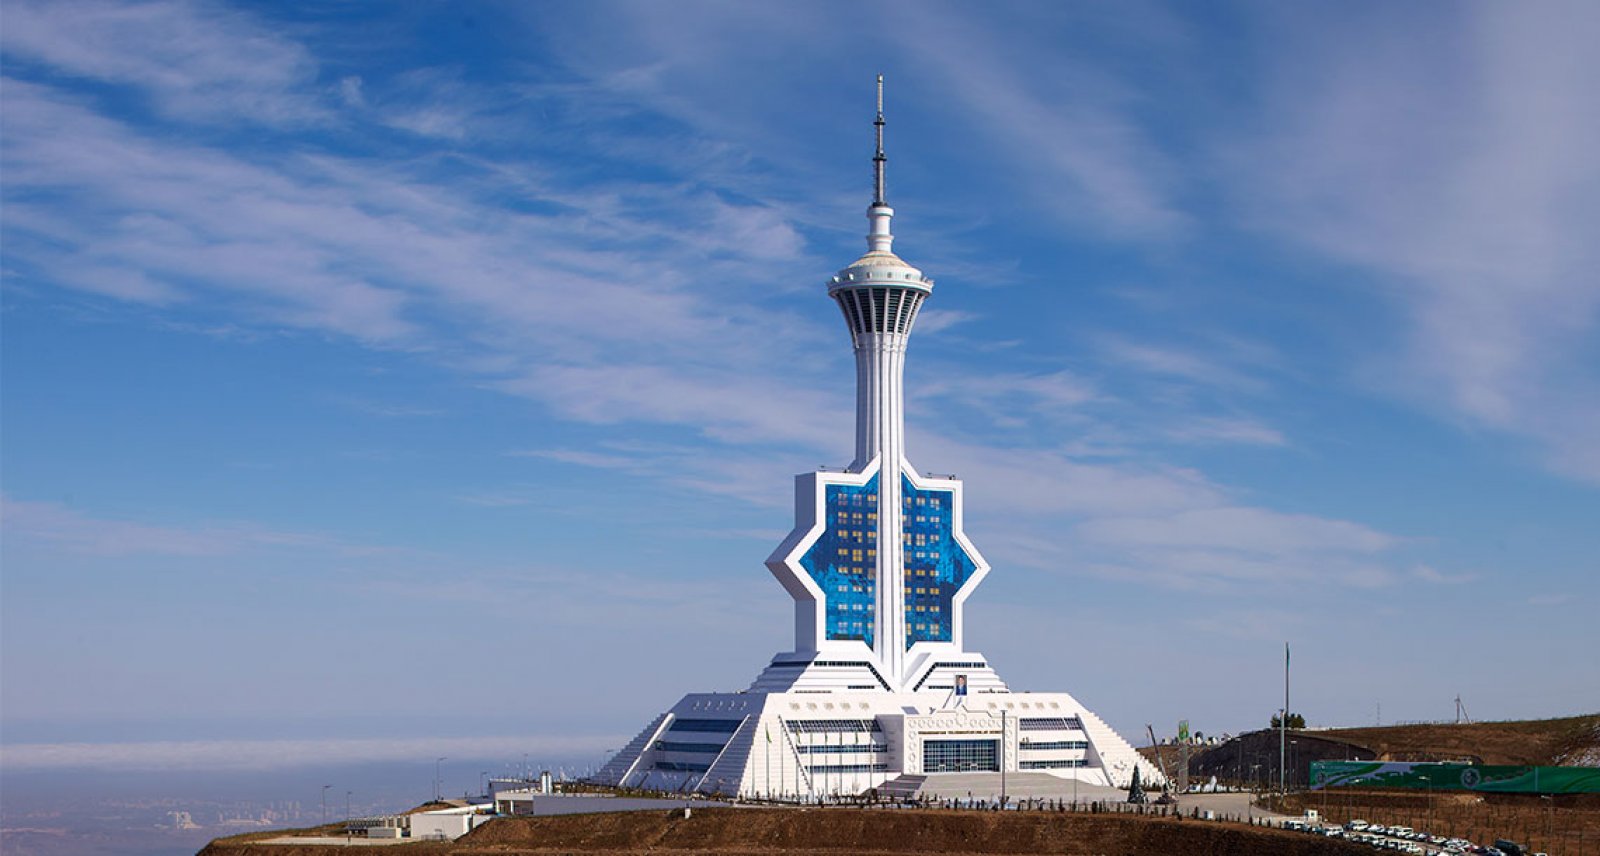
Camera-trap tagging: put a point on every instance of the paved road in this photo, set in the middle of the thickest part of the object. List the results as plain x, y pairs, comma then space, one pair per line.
1226, 804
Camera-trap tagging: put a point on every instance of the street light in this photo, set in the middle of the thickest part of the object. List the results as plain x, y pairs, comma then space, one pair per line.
1294, 761
438, 781
325, 804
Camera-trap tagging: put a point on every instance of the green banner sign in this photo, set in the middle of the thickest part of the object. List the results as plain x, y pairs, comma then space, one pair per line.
1456, 777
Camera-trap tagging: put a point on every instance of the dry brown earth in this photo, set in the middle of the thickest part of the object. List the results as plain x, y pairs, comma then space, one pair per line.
784, 832
1534, 741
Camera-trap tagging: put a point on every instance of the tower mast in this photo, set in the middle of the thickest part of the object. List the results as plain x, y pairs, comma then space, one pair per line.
879, 158
880, 295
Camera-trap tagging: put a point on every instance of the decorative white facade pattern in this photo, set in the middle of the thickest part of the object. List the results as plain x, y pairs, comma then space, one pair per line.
879, 683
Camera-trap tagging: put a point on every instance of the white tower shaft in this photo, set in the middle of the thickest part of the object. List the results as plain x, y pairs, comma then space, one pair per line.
880, 295
880, 435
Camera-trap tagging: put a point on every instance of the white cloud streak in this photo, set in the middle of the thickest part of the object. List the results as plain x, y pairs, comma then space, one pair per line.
60, 526
609, 304
1461, 168
263, 755
195, 60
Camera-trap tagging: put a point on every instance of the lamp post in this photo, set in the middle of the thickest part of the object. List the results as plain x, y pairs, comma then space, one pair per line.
1294, 761
438, 781
1430, 802
1002, 758
325, 804
347, 812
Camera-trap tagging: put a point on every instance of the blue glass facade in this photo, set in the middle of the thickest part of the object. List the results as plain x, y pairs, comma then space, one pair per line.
936, 565
844, 561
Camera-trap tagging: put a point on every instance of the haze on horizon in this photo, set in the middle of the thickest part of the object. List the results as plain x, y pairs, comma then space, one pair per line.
381, 376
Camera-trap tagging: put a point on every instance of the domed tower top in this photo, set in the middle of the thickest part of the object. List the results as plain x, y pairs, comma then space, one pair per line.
879, 267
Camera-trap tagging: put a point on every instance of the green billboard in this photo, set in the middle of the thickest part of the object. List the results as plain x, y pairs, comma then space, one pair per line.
1456, 777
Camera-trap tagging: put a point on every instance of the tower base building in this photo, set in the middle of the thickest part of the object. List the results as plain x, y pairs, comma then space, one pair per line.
879, 684
810, 744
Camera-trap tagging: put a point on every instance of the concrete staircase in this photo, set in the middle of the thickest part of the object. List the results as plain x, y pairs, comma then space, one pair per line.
986, 786
901, 787
1118, 755
726, 773
621, 764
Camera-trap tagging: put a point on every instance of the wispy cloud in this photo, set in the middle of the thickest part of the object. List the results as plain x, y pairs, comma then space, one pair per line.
1228, 546
1465, 189
1208, 430
195, 61
1173, 361
1087, 162
260, 755
63, 527
1428, 573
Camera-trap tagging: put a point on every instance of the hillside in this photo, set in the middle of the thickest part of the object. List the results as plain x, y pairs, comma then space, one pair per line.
783, 832
1250, 759
1571, 740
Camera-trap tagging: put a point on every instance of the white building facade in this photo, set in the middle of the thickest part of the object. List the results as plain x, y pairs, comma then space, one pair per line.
879, 683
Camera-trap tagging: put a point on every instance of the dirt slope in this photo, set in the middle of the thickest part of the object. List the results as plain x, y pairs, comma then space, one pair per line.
783, 832
1534, 741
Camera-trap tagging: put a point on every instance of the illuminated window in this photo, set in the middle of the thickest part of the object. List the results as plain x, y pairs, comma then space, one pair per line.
940, 568
836, 560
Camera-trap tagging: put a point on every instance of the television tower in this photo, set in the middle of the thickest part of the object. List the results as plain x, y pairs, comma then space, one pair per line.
880, 295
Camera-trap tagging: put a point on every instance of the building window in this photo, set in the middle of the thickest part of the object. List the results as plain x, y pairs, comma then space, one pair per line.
879, 767
840, 553
941, 567
1070, 723
960, 756
717, 726
1052, 765
848, 748
813, 726
702, 748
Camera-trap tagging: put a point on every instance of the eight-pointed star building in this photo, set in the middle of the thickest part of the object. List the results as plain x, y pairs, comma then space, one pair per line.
879, 683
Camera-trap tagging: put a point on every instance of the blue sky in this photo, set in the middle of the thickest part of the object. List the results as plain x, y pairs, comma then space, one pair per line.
440, 370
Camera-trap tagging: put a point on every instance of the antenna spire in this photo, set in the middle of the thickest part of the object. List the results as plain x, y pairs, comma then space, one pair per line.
879, 158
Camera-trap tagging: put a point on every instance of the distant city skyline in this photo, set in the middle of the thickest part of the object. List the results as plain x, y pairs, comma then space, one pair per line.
375, 377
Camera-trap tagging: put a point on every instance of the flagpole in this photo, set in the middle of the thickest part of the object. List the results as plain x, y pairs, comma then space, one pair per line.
1283, 726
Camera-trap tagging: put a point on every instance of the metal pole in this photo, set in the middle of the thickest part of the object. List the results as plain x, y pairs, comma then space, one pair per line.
438, 782
1002, 758
1283, 725
325, 804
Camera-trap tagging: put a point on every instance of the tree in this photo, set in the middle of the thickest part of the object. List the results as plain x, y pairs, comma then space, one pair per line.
1295, 721
1136, 790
